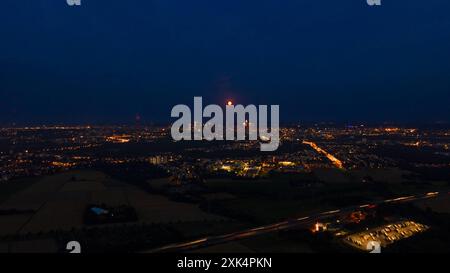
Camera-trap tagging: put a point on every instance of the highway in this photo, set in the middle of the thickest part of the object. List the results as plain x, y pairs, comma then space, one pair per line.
336, 162
292, 223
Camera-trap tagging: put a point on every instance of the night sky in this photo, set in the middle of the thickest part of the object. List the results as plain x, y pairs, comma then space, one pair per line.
321, 60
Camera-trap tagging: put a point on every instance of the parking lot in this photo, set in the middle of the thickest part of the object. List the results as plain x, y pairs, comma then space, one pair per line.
385, 235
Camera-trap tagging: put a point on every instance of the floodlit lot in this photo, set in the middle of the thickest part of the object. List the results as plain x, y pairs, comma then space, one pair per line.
386, 235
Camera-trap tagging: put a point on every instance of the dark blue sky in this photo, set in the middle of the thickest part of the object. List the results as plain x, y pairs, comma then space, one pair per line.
321, 60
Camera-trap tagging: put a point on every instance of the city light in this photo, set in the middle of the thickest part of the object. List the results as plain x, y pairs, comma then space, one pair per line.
333, 159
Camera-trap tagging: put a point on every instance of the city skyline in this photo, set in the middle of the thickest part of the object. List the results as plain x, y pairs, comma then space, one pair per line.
224, 134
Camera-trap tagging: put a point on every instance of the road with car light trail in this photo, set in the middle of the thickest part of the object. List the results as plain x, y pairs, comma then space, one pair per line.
292, 223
